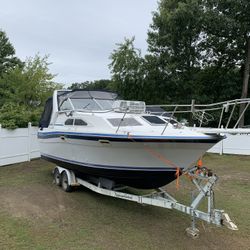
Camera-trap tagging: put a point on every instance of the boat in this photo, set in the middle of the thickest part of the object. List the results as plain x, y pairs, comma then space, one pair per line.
98, 135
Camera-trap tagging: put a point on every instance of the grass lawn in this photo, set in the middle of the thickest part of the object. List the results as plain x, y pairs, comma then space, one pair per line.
36, 214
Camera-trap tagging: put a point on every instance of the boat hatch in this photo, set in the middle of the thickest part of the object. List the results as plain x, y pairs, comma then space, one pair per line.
153, 120
125, 122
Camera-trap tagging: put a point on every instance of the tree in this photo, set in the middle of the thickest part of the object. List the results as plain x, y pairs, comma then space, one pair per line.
126, 69
228, 31
175, 42
8, 60
138, 78
23, 92
17, 116
103, 84
174, 36
197, 49
195, 43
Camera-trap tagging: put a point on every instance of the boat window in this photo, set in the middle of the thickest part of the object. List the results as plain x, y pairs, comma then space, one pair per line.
126, 122
105, 104
154, 120
86, 100
79, 122
66, 105
69, 122
85, 104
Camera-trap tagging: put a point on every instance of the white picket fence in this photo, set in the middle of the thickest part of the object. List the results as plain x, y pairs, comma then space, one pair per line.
18, 145
21, 145
234, 144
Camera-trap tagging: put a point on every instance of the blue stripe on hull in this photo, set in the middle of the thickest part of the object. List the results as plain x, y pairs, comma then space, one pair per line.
126, 138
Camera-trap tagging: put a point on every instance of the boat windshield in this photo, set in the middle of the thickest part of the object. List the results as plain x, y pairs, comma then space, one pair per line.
86, 100
92, 104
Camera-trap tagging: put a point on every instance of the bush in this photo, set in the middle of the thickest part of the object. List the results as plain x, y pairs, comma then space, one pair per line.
15, 116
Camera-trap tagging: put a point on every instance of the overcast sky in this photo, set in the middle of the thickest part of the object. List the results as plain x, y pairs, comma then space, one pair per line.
79, 35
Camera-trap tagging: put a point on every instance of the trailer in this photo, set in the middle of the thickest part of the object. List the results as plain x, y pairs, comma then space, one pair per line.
201, 177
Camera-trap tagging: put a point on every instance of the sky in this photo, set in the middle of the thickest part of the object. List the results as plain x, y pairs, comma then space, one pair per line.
78, 35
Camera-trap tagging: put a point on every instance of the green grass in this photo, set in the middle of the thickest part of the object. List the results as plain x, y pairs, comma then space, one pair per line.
36, 214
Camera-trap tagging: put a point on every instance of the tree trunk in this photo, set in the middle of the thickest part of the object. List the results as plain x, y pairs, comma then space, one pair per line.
245, 81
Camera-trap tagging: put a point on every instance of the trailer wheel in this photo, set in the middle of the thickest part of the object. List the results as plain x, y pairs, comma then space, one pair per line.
57, 177
65, 182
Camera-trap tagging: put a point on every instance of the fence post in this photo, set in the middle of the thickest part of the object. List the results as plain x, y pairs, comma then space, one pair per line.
29, 141
221, 149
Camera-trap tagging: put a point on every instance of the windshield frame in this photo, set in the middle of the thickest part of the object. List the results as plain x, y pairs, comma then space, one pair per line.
92, 96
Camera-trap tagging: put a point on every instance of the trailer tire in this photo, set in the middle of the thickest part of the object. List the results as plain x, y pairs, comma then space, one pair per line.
57, 177
65, 182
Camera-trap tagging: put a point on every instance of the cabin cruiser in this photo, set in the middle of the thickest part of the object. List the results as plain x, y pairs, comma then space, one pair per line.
96, 134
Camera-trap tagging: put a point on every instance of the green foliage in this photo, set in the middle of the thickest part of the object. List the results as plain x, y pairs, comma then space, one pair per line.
7, 55
23, 92
29, 85
126, 69
174, 36
102, 84
180, 38
227, 24
17, 116
191, 54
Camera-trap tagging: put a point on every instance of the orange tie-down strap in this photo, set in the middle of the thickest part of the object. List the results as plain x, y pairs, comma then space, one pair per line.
199, 163
162, 159
198, 171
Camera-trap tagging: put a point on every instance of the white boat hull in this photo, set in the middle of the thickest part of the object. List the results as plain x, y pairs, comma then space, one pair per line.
125, 154
138, 164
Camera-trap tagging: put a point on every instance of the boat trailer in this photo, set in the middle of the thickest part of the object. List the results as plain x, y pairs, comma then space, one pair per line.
202, 178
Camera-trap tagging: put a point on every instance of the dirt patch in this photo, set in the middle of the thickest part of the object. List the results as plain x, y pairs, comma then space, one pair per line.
39, 202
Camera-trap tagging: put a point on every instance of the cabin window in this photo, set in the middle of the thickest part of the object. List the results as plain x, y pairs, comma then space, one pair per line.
69, 122
126, 122
154, 120
79, 122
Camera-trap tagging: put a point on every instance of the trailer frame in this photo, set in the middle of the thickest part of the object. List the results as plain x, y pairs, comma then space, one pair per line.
202, 179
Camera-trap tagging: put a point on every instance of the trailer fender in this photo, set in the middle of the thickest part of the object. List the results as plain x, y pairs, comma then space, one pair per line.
70, 174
